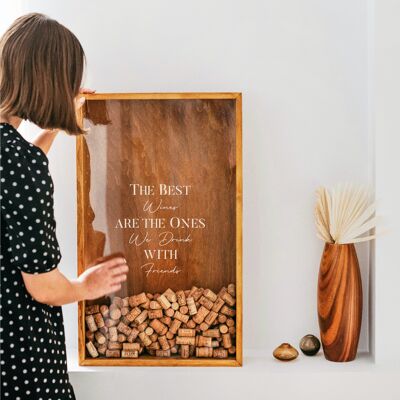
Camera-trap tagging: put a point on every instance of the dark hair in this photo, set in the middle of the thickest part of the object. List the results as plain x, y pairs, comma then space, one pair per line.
41, 70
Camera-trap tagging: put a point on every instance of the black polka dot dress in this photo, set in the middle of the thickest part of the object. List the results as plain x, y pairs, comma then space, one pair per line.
32, 344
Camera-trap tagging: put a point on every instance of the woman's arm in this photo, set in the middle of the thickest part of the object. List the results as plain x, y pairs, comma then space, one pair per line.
45, 139
55, 289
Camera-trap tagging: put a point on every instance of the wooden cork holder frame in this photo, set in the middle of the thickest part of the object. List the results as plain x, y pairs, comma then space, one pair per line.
90, 245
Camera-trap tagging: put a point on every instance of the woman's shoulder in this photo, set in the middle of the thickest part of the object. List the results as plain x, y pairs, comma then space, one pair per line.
15, 146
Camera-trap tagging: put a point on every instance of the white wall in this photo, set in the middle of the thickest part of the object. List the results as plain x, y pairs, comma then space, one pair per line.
304, 70
387, 140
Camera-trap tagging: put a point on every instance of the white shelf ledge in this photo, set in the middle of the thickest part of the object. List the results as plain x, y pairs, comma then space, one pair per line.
254, 360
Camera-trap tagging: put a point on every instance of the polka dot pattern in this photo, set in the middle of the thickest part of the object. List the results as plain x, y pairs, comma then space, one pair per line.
32, 344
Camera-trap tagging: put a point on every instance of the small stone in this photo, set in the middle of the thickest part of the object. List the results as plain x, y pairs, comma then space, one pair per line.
285, 352
310, 345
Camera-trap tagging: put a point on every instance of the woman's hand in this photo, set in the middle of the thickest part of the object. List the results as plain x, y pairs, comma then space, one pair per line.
103, 278
80, 100
55, 289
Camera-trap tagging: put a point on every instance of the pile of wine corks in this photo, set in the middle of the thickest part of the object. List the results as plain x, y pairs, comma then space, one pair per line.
186, 323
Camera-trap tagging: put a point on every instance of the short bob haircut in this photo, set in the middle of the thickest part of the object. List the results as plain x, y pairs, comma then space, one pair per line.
41, 70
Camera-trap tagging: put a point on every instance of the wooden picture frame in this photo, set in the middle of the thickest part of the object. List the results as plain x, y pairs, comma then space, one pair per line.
224, 111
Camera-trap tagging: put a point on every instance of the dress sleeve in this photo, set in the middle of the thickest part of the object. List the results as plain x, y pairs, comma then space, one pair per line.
27, 209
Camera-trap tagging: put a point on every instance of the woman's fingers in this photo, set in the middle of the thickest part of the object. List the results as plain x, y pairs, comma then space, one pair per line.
86, 90
114, 288
123, 269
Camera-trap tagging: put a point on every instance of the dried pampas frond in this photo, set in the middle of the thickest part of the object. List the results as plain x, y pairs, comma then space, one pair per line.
345, 214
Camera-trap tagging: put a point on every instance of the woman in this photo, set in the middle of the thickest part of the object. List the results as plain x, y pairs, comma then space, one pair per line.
41, 69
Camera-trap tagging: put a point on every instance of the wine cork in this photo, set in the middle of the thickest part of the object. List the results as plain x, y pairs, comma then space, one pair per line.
112, 334
152, 314
118, 301
142, 327
169, 312
102, 349
191, 324
174, 350
154, 345
181, 298
213, 333
92, 349
183, 310
125, 301
114, 345
191, 305
146, 305
89, 335
113, 353
228, 299
121, 337
232, 289
203, 352
134, 333
223, 328
226, 340
187, 332
124, 329
169, 335
181, 317
115, 312
111, 322
166, 320
104, 310
91, 324
103, 330
170, 295
230, 322
158, 327
174, 306
138, 299
232, 350
203, 341
93, 309
201, 314
186, 340
175, 325
210, 295
124, 311
184, 351
218, 304
207, 303
141, 317
155, 305
163, 353
230, 312
145, 338
133, 314
149, 330
232, 330
164, 302
211, 317
220, 353
129, 354
100, 338
163, 342
204, 326
222, 318
131, 346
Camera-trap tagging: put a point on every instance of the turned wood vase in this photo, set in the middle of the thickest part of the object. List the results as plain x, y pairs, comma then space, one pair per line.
339, 302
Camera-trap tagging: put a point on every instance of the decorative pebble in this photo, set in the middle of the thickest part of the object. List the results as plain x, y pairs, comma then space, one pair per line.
310, 345
285, 352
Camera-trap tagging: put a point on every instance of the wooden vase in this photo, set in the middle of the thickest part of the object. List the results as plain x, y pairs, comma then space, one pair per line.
339, 302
